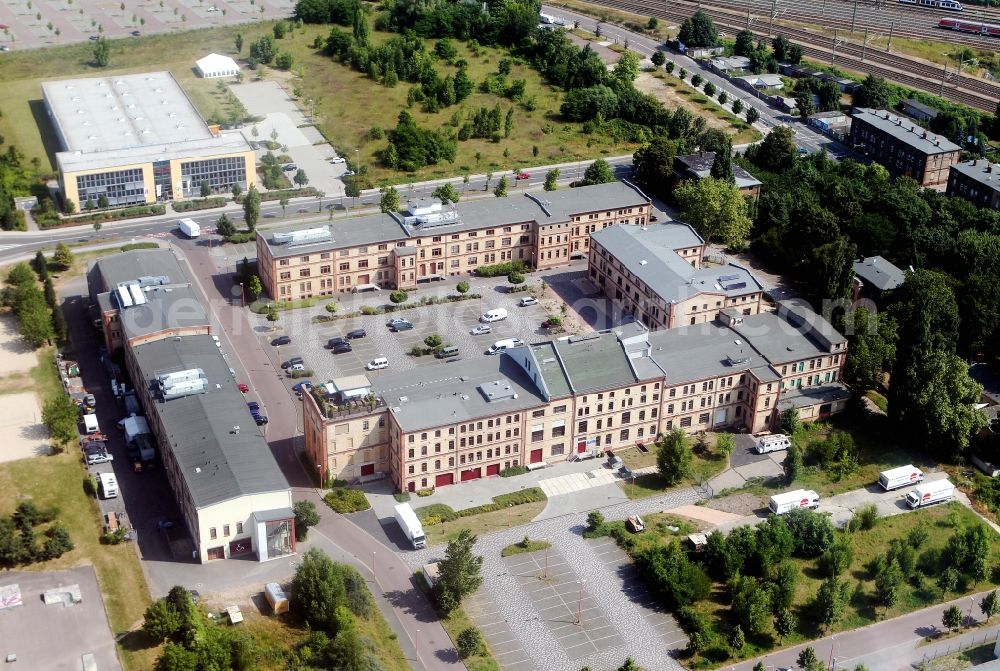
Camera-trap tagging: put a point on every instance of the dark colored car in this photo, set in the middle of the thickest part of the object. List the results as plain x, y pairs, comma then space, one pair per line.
260, 419
402, 326
253, 405
342, 348
333, 342
291, 362
356, 333
282, 340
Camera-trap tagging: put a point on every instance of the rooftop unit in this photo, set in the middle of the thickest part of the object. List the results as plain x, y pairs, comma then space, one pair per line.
431, 218
498, 390
152, 280
303, 237
182, 383
138, 297
124, 297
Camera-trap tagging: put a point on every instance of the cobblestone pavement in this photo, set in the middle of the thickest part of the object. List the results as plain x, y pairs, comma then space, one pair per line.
511, 617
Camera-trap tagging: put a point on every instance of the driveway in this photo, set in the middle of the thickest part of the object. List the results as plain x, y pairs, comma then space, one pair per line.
306, 146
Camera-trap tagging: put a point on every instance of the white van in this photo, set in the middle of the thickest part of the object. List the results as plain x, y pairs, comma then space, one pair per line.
377, 364
108, 486
496, 315
800, 498
90, 424
503, 345
773, 443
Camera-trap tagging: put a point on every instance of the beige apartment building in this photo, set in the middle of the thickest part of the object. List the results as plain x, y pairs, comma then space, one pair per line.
601, 391
657, 274
431, 240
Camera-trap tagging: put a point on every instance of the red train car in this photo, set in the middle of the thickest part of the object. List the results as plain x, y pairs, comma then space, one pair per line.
970, 27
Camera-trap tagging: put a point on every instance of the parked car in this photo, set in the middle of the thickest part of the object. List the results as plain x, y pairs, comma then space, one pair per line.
377, 364
244, 389
333, 342
356, 333
626, 473
253, 405
481, 329
282, 340
99, 457
396, 320
260, 420
300, 387
342, 348
295, 360
136, 33
527, 300
290, 167
635, 524
338, 159
295, 367
402, 326
522, 175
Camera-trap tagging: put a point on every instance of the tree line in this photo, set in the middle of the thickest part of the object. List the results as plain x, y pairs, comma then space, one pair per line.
19, 538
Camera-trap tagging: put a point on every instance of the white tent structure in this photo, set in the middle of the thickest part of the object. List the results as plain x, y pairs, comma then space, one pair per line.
216, 65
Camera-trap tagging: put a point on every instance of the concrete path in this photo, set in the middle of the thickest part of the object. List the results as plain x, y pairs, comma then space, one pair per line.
704, 514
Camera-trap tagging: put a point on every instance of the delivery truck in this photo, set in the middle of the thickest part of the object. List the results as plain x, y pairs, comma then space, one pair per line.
800, 498
410, 525
189, 227
930, 493
894, 478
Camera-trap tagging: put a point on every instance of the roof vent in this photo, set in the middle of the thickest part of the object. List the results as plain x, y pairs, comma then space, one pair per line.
197, 469
643, 262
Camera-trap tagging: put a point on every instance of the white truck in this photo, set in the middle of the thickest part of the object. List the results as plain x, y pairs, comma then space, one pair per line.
90, 424
189, 227
894, 478
773, 443
408, 522
789, 501
932, 492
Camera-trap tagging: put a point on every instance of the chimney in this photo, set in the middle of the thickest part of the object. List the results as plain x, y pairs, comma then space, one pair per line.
925, 135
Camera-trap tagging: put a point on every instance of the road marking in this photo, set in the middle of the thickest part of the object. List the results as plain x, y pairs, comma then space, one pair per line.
4, 248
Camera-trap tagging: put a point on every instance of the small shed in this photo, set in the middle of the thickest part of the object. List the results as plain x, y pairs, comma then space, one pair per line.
431, 572
276, 598
917, 110
698, 541
217, 65
235, 614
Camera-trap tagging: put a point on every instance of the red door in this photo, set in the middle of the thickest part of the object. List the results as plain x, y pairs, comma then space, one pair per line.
493, 469
472, 474
536, 456
368, 469
240, 547
411, 487
217, 553
444, 479
581, 446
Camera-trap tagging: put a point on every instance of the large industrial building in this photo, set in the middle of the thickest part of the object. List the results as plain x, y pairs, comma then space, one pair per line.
139, 139
233, 498
978, 181
546, 401
432, 240
905, 149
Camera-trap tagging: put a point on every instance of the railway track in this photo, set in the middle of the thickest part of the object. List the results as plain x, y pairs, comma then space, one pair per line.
916, 74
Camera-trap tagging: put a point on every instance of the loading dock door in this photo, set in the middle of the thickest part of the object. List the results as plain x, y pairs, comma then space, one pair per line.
536, 456
472, 474
444, 479
493, 469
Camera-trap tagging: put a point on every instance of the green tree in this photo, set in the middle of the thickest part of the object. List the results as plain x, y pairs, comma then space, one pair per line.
390, 201
35, 319
161, 620
658, 58
887, 584
948, 581
176, 657
515, 277
785, 623
709, 89
696, 80
744, 43
319, 590
752, 115
305, 512
783, 587
57, 541
41, 266
237, 189
63, 257
780, 45
871, 347
551, 180
725, 444
102, 52
737, 641
808, 661
698, 30
283, 202
458, 573
508, 125
737, 106
255, 287
360, 25
103, 202
722, 165
990, 605
673, 457
398, 296
206, 190
433, 341
790, 422
716, 209
70, 206
831, 600
627, 69
598, 172
224, 227
595, 519
60, 415
837, 558
501, 189
777, 152
239, 43
952, 618
653, 164
446, 193
462, 287
630, 665
812, 531
352, 187
875, 93
251, 207
300, 179
470, 642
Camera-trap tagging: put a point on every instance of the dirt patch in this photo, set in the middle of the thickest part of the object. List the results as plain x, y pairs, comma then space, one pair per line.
738, 504
704, 515
21, 425
672, 98
15, 355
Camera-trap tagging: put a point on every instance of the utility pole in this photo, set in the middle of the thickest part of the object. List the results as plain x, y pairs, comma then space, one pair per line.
748, 14
854, 16
770, 27
889, 45
833, 56
864, 46
943, 77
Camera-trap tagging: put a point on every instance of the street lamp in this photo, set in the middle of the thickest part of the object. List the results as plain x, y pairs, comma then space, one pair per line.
319, 469
579, 603
416, 644
509, 506
374, 579
242, 301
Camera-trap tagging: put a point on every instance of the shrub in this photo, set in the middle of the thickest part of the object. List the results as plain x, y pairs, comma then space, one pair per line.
347, 500
696, 80
425, 492
199, 204
867, 516
470, 642
398, 296
301, 373
500, 269
369, 310
594, 520
139, 245
331, 308
515, 277
513, 470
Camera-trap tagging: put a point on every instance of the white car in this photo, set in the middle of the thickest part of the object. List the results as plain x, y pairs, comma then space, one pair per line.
99, 457
481, 329
338, 159
296, 366
527, 300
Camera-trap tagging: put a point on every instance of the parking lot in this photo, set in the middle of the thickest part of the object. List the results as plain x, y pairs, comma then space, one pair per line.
452, 321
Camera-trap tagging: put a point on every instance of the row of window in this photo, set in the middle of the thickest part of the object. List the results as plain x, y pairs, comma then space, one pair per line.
464, 459
213, 532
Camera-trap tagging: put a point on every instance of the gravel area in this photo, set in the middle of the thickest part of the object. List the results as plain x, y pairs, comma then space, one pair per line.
738, 504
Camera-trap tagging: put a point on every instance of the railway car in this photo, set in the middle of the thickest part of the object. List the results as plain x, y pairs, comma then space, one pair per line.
987, 29
951, 5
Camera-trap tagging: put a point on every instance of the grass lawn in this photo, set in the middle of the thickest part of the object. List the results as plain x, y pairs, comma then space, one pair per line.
940, 523
455, 624
705, 464
484, 523
523, 548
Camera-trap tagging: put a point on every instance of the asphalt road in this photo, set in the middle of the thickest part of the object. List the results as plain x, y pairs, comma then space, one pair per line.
805, 136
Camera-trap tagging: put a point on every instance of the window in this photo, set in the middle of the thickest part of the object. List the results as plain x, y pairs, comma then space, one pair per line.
559, 408
538, 413
239, 528
703, 418
212, 534
537, 434
685, 421
623, 435
558, 448
626, 417
225, 530
581, 427
558, 430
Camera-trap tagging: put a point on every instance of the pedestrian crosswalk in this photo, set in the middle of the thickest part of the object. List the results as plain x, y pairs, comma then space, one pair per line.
4, 248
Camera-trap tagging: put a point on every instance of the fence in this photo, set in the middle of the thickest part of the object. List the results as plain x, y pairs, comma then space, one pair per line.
956, 645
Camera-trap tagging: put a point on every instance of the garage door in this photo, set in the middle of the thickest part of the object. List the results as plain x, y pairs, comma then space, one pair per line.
368, 469
444, 479
536, 456
581, 446
472, 474
217, 553
493, 469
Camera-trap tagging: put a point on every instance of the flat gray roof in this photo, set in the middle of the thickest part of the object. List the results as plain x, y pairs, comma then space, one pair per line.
523, 208
449, 393
985, 172
595, 361
216, 463
802, 397
554, 377
648, 253
704, 350
176, 306
223, 144
795, 332
700, 164
920, 107
905, 130
879, 273
108, 271
99, 114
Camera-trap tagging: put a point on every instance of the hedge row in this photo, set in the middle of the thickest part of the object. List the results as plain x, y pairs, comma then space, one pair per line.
386, 309
440, 512
499, 269
347, 500
111, 215
278, 194
199, 204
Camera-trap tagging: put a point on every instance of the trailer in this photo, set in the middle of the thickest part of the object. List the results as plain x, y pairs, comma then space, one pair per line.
894, 478
189, 227
938, 491
800, 498
412, 529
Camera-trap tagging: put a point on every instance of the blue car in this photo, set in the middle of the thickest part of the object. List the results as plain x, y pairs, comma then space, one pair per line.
254, 406
300, 387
